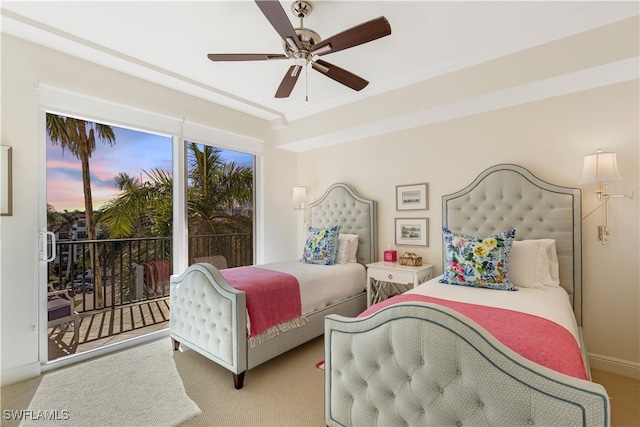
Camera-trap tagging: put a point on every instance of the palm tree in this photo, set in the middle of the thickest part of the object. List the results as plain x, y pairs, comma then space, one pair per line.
79, 137
125, 181
214, 187
145, 208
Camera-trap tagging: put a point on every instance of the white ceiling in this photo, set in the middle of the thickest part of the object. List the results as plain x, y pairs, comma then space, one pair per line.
168, 42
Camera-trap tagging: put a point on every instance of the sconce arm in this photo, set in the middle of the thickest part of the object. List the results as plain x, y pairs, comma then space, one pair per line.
618, 196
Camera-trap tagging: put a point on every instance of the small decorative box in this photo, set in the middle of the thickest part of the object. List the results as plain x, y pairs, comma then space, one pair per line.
390, 255
410, 259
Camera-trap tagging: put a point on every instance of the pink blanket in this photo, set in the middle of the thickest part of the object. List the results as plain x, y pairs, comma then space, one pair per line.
539, 340
272, 297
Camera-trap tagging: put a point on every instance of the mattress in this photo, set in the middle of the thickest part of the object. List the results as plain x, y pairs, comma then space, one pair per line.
551, 303
323, 285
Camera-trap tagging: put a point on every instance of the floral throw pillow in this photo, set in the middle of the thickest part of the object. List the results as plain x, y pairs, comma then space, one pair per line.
481, 262
321, 246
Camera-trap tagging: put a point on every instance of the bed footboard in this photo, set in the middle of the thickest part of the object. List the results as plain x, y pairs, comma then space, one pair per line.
209, 316
424, 364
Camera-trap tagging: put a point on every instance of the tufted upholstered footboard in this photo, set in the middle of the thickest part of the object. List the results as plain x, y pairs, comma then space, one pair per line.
209, 316
423, 364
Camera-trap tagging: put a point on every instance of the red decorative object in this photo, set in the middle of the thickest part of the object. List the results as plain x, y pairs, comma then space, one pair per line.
390, 256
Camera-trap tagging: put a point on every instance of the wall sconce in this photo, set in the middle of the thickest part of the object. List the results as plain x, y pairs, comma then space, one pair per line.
300, 197
601, 168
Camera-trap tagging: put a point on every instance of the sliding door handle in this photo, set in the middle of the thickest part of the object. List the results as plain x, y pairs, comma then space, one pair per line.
48, 237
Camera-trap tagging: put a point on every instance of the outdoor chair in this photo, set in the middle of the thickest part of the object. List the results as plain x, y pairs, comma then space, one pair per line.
218, 261
60, 311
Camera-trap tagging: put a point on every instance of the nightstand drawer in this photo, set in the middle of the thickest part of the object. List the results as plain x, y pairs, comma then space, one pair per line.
391, 276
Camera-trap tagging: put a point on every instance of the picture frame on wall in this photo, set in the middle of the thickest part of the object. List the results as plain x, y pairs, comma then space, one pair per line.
411, 197
412, 231
6, 202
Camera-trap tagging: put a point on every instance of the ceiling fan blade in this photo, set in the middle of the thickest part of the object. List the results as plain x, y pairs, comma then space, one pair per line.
245, 56
276, 15
288, 82
340, 75
360, 34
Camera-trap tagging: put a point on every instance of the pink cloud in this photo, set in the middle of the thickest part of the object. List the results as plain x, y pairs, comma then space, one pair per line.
66, 193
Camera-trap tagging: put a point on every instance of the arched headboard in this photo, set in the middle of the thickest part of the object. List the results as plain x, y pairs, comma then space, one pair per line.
509, 196
342, 205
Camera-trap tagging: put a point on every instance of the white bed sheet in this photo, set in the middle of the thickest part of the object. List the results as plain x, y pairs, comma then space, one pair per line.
551, 303
322, 285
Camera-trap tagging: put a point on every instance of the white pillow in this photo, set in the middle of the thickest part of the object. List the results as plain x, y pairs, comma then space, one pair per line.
534, 263
347, 248
352, 247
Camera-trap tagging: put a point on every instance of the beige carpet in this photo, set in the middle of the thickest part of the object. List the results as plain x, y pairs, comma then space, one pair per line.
624, 393
285, 391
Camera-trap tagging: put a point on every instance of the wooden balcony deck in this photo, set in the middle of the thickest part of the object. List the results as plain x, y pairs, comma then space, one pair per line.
102, 327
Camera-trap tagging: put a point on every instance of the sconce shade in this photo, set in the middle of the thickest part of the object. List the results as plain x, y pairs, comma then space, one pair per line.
299, 195
600, 167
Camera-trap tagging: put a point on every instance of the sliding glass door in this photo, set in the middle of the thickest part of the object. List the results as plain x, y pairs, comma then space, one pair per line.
109, 211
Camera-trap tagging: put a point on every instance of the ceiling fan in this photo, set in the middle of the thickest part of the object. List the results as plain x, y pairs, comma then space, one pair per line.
304, 45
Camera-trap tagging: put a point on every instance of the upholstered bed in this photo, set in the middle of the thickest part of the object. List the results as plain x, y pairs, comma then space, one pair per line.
211, 317
415, 360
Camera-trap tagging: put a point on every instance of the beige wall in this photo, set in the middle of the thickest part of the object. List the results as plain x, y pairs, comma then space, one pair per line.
23, 66
548, 135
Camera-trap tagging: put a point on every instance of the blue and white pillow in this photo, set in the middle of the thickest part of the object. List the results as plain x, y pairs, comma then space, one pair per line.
481, 262
321, 246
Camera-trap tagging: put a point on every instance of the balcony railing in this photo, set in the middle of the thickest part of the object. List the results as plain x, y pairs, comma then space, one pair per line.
133, 270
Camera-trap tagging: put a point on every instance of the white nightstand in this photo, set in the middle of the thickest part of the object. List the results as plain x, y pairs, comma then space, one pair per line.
386, 279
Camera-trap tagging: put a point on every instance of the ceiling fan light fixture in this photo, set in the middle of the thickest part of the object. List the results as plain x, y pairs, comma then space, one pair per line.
290, 45
321, 51
319, 67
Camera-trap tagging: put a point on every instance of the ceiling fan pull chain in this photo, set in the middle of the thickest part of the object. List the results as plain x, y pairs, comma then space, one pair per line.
306, 83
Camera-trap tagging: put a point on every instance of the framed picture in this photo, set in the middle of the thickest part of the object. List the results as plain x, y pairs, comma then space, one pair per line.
411, 197
412, 231
5, 181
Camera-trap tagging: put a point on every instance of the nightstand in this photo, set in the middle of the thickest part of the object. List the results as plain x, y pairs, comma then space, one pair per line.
386, 279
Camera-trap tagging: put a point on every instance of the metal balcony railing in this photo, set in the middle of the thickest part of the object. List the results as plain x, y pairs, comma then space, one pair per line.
133, 270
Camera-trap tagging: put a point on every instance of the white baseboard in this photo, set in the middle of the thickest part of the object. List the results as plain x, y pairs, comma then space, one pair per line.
19, 373
614, 366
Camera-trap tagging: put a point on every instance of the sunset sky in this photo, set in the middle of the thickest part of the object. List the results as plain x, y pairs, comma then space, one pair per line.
133, 153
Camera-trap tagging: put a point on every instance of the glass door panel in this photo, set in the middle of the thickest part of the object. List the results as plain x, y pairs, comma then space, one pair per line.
109, 205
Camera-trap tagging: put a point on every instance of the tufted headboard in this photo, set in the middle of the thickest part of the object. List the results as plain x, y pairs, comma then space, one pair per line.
509, 196
340, 204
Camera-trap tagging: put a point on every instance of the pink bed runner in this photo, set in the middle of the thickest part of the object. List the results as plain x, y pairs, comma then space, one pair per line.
273, 300
539, 340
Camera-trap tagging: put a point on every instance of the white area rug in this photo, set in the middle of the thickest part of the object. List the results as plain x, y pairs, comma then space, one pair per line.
137, 387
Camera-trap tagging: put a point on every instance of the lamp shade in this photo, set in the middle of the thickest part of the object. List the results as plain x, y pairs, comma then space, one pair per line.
600, 167
299, 194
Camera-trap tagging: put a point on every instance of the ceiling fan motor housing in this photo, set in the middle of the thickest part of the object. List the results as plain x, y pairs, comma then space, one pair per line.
308, 38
